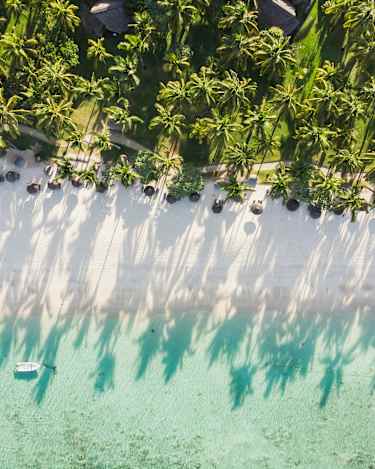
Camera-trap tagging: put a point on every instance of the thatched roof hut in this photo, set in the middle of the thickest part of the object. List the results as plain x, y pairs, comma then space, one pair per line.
280, 13
104, 15
112, 14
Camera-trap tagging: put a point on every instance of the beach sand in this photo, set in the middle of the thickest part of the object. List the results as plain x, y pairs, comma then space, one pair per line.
77, 250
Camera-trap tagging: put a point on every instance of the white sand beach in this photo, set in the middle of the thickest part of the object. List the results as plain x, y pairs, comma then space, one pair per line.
77, 250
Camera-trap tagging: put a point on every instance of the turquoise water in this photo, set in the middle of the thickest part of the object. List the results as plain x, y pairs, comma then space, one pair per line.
189, 391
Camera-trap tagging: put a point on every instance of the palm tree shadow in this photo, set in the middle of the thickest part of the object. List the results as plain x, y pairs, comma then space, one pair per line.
333, 375
149, 343
176, 344
104, 373
228, 338
241, 384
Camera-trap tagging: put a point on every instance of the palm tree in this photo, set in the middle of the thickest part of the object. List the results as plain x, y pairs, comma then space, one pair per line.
179, 15
125, 173
235, 189
63, 15
318, 140
238, 49
240, 157
273, 53
336, 9
349, 160
145, 28
54, 116
204, 86
96, 50
55, 78
170, 122
285, 100
236, 92
237, 17
125, 71
280, 182
97, 88
16, 49
167, 162
175, 93
325, 190
177, 61
77, 140
102, 140
360, 17
351, 108
353, 201
121, 115
219, 130
325, 101
10, 116
256, 121
14, 7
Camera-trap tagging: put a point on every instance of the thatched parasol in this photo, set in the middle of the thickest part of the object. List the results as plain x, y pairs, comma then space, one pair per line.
149, 191
33, 188
218, 205
292, 205
194, 196
12, 176
315, 211
257, 207
54, 185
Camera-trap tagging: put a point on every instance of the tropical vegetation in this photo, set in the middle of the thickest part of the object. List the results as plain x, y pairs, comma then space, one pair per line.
199, 82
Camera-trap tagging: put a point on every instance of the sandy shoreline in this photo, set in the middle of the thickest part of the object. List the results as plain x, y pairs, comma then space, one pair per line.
77, 250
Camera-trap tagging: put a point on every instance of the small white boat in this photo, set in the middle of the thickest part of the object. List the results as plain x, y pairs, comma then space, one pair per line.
27, 367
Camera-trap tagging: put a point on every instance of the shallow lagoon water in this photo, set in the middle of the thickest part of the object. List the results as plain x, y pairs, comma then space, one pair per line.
189, 391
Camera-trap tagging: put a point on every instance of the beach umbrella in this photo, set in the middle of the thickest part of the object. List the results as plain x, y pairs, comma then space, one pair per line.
292, 205
194, 196
217, 206
257, 207
53, 185
315, 211
12, 176
149, 191
33, 188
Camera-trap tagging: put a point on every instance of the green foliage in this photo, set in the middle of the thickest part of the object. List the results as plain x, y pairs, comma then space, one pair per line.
147, 167
235, 190
188, 181
125, 173
202, 74
280, 182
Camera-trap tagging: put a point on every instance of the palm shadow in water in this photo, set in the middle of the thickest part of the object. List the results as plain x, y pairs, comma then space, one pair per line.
176, 344
286, 350
333, 374
48, 356
229, 337
149, 345
241, 384
104, 373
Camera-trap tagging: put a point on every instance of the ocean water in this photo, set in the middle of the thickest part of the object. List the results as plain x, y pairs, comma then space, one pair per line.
189, 391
